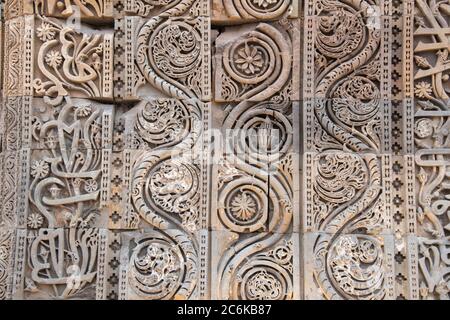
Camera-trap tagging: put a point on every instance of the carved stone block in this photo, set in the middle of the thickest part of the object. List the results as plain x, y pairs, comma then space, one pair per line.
163, 166
263, 266
363, 184
255, 168
176, 273
45, 57
13, 201
66, 124
162, 58
348, 266
60, 263
309, 159
257, 61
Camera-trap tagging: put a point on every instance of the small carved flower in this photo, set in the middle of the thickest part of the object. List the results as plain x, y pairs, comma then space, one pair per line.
264, 3
35, 221
90, 185
83, 111
250, 60
423, 89
39, 169
45, 32
54, 59
243, 206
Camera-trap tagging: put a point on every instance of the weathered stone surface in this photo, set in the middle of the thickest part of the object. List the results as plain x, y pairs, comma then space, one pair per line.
224, 149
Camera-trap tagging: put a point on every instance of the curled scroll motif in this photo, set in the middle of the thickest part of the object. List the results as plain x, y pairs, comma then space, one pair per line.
257, 65
166, 123
434, 265
348, 199
350, 267
63, 262
162, 267
348, 208
169, 52
165, 183
69, 61
227, 10
67, 8
348, 98
256, 211
266, 277
165, 195
66, 176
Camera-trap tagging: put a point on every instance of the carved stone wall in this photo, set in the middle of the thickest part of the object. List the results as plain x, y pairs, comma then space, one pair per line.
225, 149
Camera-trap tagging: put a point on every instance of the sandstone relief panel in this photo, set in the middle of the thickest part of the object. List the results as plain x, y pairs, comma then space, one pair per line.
224, 149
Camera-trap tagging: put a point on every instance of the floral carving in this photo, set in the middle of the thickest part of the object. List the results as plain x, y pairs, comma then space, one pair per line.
75, 61
249, 60
243, 206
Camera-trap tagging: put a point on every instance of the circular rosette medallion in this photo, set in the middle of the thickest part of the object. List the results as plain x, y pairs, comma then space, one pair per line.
156, 269
262, 280
247, 61
245, 206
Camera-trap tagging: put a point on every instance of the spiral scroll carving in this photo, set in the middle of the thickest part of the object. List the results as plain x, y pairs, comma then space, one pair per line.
349, 259
254, 196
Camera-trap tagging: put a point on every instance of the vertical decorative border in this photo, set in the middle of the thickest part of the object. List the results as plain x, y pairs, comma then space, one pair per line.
108, 66
204, 235
13, 43
390, 267
206, 74
101, 285
387, 191
129, 79
308, 192
19, 264
22, 190
26, 140
28, 56
408, 42
409, 235
413, 269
